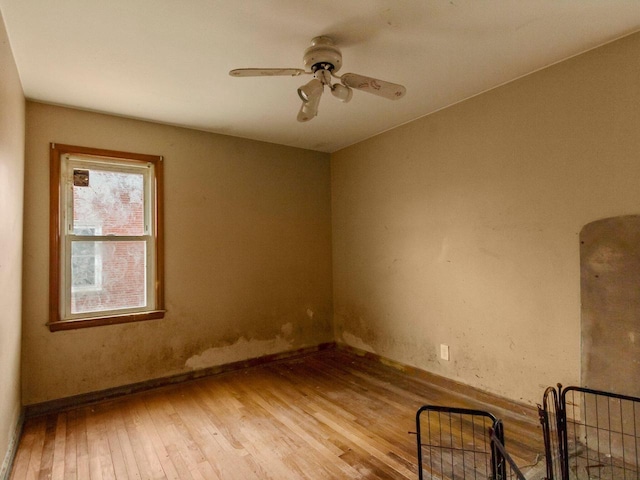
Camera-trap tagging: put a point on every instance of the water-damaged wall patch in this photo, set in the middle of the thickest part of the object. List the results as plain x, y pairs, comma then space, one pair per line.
356, 342
610, 294
243, 349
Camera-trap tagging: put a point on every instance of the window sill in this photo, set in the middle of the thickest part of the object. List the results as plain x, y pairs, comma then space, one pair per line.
99, 321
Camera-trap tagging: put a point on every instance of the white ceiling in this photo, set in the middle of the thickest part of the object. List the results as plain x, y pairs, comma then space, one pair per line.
168, 60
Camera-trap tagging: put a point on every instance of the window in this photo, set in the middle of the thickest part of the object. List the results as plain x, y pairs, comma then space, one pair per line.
106, 237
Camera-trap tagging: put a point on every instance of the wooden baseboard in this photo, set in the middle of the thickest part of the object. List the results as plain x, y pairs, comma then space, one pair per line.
66, 403
7, 463
493, 402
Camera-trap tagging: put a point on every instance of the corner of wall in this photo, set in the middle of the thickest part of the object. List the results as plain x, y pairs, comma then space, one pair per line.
7, 463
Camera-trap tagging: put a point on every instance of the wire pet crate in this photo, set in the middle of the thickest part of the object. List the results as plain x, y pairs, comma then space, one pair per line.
590, 434
458, 443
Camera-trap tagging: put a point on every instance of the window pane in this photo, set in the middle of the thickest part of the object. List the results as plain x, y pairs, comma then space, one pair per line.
113, 201
108, 276
85, 266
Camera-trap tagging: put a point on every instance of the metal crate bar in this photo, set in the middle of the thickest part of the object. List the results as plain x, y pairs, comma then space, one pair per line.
504, 466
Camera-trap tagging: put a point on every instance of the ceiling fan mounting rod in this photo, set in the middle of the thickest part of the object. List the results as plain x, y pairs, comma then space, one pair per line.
324, 75
322, 66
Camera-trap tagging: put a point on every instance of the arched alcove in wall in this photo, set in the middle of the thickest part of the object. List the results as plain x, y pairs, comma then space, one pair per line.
610, 294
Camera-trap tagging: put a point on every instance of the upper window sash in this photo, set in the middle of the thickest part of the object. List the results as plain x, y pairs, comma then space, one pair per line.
146, 170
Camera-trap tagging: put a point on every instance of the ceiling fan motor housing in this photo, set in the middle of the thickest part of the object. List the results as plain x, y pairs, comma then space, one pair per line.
322, 54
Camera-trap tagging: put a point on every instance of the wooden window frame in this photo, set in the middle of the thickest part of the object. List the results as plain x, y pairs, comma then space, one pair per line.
56, 320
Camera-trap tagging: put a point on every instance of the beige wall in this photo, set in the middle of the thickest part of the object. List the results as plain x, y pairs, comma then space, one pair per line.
248, 256
12, 107
462, 228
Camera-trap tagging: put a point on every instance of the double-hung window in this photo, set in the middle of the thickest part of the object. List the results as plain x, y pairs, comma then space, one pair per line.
106, 237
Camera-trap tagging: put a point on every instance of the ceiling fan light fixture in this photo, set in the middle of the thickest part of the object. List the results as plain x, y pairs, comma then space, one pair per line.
309, 109
310, 95
310, 101
309, 91
341, 92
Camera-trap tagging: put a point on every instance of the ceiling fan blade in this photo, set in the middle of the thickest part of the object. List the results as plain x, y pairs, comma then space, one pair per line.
266, 72
389, 90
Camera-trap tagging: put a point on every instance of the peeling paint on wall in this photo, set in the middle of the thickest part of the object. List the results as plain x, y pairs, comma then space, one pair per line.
287, 329
241, 350
356, 342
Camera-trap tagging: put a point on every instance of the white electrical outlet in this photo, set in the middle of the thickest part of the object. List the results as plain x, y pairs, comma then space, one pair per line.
444, 352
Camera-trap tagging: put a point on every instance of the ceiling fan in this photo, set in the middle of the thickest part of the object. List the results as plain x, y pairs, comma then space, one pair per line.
323, 60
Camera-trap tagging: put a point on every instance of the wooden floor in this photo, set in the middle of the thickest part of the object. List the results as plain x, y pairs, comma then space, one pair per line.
328, 415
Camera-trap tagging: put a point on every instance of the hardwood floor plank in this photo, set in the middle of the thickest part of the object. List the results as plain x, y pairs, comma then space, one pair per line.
130, 464
35, 459
46, 460
175, 443
59, 448
107, 416
146, 459
187, 448
70, 466
26, 446
327, 415
82, 445
222, 415
98, 448
153, 443
202, 441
